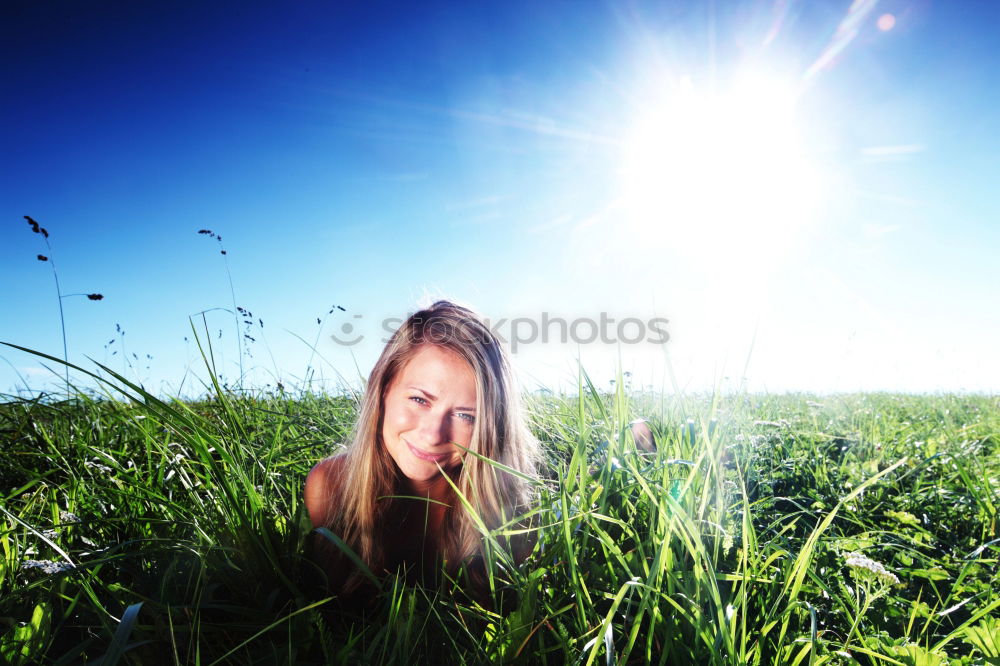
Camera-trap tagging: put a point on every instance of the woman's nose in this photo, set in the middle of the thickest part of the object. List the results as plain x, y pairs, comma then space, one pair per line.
435, 429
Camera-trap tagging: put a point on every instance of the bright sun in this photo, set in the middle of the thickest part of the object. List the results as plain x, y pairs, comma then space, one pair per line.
718, 174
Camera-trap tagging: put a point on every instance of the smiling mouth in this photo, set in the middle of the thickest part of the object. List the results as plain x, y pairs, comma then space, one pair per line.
429, 457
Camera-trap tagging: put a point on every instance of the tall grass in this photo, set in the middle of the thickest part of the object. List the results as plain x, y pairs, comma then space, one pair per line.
146, 530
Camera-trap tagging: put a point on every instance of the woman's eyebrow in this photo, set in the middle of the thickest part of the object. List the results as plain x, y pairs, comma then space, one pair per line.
431, 396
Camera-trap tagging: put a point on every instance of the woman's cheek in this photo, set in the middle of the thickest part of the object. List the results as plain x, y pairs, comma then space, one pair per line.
465, 439
398, 418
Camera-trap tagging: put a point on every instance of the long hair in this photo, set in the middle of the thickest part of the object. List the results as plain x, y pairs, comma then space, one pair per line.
499, 434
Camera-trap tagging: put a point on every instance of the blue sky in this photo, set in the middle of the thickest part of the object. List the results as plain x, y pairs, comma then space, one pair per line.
804, 190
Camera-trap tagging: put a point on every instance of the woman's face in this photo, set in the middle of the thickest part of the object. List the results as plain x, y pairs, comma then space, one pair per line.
429, 407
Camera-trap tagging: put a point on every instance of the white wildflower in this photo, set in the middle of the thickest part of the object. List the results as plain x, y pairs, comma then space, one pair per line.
860, 564
68, 517
755, 440
50, 534
103, 469
780, 423
47, 566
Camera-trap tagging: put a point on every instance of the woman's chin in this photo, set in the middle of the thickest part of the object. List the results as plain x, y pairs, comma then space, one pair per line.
420, 472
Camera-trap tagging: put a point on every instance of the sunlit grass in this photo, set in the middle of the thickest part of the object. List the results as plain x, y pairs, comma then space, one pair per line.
173, 532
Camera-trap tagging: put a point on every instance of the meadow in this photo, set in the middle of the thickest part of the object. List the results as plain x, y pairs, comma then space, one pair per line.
765, 529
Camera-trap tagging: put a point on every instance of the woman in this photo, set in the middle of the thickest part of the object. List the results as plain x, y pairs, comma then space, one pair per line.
441, 391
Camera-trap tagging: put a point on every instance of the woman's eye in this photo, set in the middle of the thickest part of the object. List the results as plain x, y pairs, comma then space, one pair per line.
468, 418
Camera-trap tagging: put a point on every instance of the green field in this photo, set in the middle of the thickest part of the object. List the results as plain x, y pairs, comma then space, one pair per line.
767, 529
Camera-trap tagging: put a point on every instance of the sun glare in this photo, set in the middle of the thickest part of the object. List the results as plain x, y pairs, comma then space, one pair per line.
718, 175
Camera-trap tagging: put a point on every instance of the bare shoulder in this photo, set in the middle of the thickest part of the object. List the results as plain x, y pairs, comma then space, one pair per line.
322, 485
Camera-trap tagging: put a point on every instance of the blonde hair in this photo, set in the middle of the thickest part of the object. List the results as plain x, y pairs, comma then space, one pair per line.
500, 434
